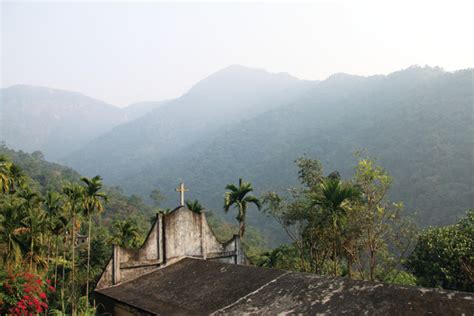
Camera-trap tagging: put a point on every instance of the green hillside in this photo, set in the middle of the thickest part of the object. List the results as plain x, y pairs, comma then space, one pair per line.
417, 122
227, 97
47, 176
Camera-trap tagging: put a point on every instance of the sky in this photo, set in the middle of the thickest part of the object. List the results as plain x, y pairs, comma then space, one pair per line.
124, 52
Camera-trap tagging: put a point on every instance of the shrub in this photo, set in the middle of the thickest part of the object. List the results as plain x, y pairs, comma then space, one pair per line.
23, 293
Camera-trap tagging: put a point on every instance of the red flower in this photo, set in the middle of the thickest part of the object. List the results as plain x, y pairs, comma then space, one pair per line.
38, 281
42, 295
48, 281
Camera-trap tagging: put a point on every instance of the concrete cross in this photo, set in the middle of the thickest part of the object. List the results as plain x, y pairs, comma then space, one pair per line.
181, 191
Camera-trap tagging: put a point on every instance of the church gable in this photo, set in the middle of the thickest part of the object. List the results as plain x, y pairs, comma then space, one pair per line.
180, 233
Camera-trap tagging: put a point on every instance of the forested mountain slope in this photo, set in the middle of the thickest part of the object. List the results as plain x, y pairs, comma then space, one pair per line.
53, 121
48, 176
242, 122
418, 122
136, 110
58, 122
225, 98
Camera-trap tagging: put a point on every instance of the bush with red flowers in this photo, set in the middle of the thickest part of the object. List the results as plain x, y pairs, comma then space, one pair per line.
23, 293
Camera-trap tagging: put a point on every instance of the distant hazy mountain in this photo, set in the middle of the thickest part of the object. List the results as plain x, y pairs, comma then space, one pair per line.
58, 122
135, 110
418, 122
53, 121
227, 97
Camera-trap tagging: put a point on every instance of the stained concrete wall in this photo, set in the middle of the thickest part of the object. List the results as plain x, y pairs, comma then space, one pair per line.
181, 233
151, 250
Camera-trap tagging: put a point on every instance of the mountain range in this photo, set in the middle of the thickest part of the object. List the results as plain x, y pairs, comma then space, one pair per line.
243, 122
58, 122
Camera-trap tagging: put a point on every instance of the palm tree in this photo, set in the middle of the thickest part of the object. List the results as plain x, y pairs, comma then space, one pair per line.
333, 197
238, 197
34, 220
59, 226
16, 178
52, 204
10, 231
194, 206
4, 174
92, 202
74, 195
126, 233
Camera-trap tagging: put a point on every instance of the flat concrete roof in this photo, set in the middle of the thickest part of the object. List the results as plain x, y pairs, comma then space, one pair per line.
195, 286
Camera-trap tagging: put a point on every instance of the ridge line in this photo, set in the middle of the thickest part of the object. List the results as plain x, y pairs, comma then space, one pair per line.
251, 293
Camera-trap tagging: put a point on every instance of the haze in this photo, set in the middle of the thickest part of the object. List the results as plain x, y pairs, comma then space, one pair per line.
124, 53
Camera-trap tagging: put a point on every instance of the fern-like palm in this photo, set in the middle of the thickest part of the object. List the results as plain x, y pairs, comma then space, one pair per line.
74, 195
93, 201
333, 197
194, 206
238, 197
126, 233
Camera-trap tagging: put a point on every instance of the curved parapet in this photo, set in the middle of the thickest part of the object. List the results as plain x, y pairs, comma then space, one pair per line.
173, 236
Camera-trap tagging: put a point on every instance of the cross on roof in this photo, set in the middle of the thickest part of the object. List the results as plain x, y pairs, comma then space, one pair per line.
181, 191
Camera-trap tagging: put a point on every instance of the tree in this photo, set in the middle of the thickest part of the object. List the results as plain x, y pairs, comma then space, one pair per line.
4, 174
194, 206
74, 194
374, 183
10, 232
93, 201
238, 197
300, 220
34, 219
444, 256
157, 197
16, 177
126, 233
329, 218
333, 197
52, 204
310, 171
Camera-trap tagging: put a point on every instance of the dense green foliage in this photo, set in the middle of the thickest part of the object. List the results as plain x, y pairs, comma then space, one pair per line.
341, 227
44, 210
45, 207
444, 256
47, 176
45, 219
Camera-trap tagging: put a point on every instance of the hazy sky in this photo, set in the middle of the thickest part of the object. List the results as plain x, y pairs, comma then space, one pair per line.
124, 52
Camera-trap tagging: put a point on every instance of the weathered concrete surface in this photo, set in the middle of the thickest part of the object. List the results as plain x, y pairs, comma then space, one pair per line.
296, 293
180, 233
194, 286
190, 286
126, 264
